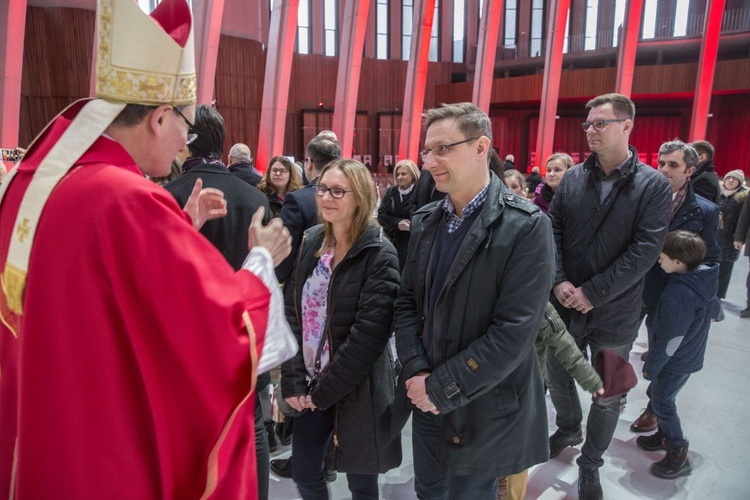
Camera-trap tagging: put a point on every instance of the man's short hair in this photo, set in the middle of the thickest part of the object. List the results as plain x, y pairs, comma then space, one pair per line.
328, 134
323, 151
689, 154
209, 125
510, 158
471, 120
686, 246
621, 105
704, 148
241, 152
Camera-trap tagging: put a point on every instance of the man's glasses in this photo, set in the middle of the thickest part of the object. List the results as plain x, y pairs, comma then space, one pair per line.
279, 171
335, 192
192, 136
441, 150
599, 125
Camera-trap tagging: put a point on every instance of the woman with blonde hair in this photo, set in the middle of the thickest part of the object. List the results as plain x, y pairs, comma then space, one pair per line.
280, 178
339, 303
515, 182
557, 165
397, 205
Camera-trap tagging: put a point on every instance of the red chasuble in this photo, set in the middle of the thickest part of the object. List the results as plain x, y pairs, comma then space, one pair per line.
129, 373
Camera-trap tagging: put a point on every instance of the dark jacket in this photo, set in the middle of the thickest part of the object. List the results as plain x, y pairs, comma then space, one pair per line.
543, 197
742, 233
607, 248
508, 165
393, 210
485, 380
299, 212
426, 192
532, 181
678, 336
730, 208
276, 203
554, 336
245, 172
706, 182
359, 379
229, 233
697, 215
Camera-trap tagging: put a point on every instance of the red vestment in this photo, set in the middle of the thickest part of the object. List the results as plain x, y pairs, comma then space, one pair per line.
129, 373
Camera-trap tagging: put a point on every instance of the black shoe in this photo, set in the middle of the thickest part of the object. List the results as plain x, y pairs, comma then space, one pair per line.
284, 431
589, 487
745, 313
282, 467
272, 446
675, 464
561, 440
654, 442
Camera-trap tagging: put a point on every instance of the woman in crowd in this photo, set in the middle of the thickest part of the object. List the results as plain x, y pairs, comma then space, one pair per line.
557, 165
515, 182
396, 207
339, 303
280, 178
733, 196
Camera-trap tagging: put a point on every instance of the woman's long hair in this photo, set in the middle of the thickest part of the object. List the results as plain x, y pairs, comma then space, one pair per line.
295, 181
363, 190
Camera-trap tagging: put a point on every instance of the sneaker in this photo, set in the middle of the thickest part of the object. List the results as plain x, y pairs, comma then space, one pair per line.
561, 440
654, 442
589, 487
745, 313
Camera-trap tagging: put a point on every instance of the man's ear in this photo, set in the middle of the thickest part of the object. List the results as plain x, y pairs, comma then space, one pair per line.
484, 145
627, 125
690, 171
157, 120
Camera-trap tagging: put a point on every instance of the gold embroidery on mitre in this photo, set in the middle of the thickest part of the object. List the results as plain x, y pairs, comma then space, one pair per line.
22, 230
14, 284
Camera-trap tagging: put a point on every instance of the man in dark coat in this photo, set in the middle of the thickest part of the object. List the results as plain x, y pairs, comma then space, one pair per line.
609, 217
471, 301
228, 234
241, 164
705, 181
533, 180
510, 162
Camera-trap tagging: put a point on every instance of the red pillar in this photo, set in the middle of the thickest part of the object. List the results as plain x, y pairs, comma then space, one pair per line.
628, 42
706, 68
416, 80
551, 83
489, 28
350, 65
13, 24
207, 15
279, 55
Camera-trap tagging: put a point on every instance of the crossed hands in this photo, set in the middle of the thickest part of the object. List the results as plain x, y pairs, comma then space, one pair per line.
301, 403
416, 390
571, 296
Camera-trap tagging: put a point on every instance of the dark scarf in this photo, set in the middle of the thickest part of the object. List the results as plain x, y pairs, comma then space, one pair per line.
199, 160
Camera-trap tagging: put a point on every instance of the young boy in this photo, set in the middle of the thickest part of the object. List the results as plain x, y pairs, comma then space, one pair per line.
677, 343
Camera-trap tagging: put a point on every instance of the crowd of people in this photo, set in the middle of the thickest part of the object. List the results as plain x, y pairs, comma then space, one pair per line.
144, 376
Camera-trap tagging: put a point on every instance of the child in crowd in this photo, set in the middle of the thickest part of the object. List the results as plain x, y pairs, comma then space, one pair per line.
677, 343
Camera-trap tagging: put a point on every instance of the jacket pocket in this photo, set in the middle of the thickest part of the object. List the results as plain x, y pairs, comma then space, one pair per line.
504, 401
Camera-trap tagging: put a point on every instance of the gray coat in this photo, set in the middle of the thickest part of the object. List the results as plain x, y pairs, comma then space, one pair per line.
742, 233
486, 379
607, 248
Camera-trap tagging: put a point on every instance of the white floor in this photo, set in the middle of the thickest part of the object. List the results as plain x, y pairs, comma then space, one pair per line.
714, 407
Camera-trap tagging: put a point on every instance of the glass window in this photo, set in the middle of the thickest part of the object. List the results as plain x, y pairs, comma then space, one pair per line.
459, 20
592, 9
537, 28
406, 27
303, 27
649, 19
434, 34
511, 19
681, 17
381, 20
330, 18
619, 21
567, 34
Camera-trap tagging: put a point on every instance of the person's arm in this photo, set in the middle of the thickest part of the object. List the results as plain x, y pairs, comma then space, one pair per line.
743, 225
293, 219
368, 336
518, 310
642, 252
670, 324
710, 235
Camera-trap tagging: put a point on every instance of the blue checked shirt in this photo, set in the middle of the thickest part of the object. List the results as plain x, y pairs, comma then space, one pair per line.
454, 221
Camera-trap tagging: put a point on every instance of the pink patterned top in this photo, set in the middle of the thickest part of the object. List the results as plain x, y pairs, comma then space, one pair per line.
314, 303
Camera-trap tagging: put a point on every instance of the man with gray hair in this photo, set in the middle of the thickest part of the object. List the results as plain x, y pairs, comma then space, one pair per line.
471, 300
241, 164
689, 212
609, 216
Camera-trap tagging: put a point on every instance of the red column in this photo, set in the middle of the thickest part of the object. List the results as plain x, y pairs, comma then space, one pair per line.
551, 83
706, 68
13, 24
350, 65
279, 55
489, 28
207, 15
416, 79
628, 41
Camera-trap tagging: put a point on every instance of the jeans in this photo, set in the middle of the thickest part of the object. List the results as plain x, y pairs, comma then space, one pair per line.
262, 455
604, 412
430, 481
663, 391
311, 434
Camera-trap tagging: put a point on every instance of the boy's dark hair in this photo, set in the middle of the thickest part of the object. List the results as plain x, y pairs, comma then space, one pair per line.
705, 148
685, 246
209, 125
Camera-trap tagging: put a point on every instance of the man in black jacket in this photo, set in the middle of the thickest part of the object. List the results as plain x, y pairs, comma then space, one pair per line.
609, 217
705, 181
241, 164
471, 300
230, 233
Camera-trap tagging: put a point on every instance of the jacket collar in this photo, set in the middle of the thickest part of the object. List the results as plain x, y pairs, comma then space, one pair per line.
628, 174
372, 236
489, 212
